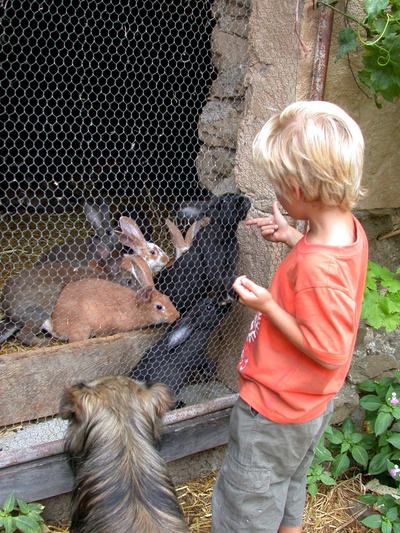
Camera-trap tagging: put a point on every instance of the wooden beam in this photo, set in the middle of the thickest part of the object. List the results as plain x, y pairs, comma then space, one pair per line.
51, 476
31, 382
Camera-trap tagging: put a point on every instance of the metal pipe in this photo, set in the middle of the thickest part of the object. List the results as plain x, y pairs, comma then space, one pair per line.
321, 56
56, 447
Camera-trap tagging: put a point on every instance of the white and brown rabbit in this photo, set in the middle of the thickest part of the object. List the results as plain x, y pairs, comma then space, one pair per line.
97, 307
132, 237
106, 242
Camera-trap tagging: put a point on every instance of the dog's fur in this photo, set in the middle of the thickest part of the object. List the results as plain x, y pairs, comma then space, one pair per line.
121, 481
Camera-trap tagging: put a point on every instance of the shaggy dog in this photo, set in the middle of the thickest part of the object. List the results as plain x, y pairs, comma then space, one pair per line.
121, 482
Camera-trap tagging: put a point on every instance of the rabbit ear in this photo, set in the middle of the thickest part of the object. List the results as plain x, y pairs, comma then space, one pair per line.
131, 235
180, 335
145, 294
130, 228
194, 229
140, 269
99, 217
177, 238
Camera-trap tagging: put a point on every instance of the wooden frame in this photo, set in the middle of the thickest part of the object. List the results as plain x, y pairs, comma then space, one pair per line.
31, 382
49, 476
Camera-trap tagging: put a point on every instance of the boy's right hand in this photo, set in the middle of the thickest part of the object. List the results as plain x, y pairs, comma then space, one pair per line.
274, 228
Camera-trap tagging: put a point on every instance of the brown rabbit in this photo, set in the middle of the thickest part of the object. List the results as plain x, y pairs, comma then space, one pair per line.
97, 307
28, 298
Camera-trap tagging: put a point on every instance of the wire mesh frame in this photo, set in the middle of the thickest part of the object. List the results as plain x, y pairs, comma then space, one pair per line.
102, 105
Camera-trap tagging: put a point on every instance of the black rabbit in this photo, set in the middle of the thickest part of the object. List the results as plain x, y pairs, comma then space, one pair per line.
182, 349
209, 266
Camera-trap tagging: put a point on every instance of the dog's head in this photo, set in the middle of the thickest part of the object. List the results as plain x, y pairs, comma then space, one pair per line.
115, 402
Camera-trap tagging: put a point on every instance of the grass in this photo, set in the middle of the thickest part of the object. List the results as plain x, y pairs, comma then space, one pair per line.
333, 510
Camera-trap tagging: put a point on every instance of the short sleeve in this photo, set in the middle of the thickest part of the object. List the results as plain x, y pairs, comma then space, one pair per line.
326, 317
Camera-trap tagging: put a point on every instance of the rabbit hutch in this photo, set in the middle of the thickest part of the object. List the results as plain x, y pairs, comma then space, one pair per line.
128, 129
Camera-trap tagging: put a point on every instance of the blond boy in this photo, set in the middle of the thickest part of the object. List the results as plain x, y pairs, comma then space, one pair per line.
300, 344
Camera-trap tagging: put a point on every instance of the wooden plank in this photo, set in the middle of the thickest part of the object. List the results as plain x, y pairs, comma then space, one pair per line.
31, 382
51, 476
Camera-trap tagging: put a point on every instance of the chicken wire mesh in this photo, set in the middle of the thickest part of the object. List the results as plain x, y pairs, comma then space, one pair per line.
101, 109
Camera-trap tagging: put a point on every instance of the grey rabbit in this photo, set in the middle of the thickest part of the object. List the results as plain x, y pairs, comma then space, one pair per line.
28, 298
79, 251
182, 349
208, 267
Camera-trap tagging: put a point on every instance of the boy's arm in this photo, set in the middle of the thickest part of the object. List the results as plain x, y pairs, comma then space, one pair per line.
260, 299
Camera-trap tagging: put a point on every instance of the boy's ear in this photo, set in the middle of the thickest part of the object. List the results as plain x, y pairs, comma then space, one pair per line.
297, 192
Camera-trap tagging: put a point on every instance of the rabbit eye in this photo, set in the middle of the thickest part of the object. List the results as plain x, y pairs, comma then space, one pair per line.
152, 252
160, 307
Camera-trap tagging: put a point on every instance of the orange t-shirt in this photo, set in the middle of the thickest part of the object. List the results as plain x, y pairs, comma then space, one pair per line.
322, 287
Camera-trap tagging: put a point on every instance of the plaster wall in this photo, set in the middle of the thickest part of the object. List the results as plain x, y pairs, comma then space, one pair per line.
380, 126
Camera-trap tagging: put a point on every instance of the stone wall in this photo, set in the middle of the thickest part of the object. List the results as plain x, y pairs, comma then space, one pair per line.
263, 56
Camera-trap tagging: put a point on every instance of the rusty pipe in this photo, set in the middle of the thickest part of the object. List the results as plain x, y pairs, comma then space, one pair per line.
321, 56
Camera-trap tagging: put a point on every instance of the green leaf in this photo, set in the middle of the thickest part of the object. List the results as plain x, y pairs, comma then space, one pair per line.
373, 7
23, 506
386, 526
378, 463
345, 446
348, 427
394, 440
367, 386
372, 520
335, 436
9, 504
340, 464
370, 402
326, 479
27, 524
392, 514
355, 438
8, 524
312, 489
382, 422
347, 42
360, 455
396, 527
369, 499
322, 453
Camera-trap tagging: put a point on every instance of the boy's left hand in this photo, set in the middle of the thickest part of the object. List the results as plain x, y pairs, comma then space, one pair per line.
251, 294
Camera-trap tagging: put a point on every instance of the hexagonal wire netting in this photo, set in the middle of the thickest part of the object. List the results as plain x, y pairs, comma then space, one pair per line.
102, 102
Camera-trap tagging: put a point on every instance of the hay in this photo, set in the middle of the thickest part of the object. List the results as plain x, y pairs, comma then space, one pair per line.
335, 510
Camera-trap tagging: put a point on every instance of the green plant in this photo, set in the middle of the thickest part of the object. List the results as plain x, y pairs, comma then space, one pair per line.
17, 515
348, 446
388, 519
318, 472
380, 401
374, 448
378, 35
381, 305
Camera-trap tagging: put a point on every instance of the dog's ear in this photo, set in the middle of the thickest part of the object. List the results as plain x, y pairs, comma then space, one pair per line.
160, 398
70, 404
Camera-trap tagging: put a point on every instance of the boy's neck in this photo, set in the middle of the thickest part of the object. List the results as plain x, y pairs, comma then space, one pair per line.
331, 226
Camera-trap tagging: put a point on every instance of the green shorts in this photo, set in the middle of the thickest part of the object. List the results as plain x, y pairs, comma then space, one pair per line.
262, 482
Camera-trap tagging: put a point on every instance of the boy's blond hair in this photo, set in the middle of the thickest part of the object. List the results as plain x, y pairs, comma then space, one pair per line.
319, 145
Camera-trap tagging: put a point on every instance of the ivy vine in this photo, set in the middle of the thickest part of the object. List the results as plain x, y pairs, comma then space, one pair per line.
378, 36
